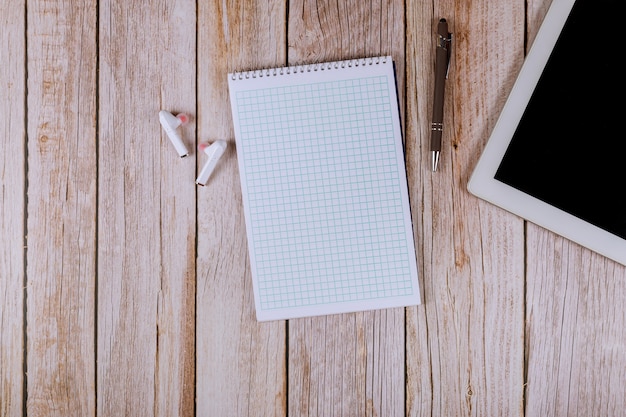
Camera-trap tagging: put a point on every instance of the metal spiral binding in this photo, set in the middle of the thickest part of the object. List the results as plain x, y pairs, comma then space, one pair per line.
300, 69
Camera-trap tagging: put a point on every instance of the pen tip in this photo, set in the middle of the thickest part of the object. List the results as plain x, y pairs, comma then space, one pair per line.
435, 160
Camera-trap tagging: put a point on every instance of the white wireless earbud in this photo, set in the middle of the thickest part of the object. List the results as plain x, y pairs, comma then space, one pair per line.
214, 152
170, 123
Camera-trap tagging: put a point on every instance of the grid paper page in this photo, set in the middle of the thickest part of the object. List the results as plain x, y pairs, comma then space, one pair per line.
324, 188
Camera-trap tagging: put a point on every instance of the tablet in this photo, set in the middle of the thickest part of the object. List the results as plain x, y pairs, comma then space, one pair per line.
557, 154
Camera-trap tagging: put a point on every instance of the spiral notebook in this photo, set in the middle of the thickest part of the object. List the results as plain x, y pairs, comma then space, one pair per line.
324, 188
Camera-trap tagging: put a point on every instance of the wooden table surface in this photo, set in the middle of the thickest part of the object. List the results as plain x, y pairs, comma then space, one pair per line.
125, 289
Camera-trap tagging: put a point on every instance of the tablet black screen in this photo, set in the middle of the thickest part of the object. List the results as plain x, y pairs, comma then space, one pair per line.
569, 149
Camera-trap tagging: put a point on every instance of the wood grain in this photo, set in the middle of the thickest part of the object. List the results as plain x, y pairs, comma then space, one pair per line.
12, 205
146, 227
472, 252
576, 344
241, 363
176, 66
349, 364
420, 377
61, 255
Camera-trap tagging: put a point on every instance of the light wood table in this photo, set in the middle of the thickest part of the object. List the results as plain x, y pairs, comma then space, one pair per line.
125, 289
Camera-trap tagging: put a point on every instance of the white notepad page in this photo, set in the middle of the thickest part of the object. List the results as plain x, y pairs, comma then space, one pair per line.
324, 188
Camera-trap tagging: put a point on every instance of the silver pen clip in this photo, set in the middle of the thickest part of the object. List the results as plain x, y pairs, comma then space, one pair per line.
446, 43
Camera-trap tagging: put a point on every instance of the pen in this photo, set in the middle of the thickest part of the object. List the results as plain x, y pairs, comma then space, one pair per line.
442, 63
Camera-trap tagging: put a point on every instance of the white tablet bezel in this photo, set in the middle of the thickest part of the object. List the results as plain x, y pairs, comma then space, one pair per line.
483, 183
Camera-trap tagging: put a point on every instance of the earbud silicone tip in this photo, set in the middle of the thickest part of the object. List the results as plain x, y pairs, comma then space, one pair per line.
183, 118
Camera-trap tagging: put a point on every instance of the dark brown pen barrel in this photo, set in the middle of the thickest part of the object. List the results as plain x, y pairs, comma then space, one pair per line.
441, 68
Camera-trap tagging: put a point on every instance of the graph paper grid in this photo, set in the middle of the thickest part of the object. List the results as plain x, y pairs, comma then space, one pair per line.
327, 223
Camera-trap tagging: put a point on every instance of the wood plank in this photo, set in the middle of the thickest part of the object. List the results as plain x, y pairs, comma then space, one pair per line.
61, 224
348, 364
12, 205
175, 362
575, 331
576, 344
146, 227
241, 367
465, 350
420, 379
